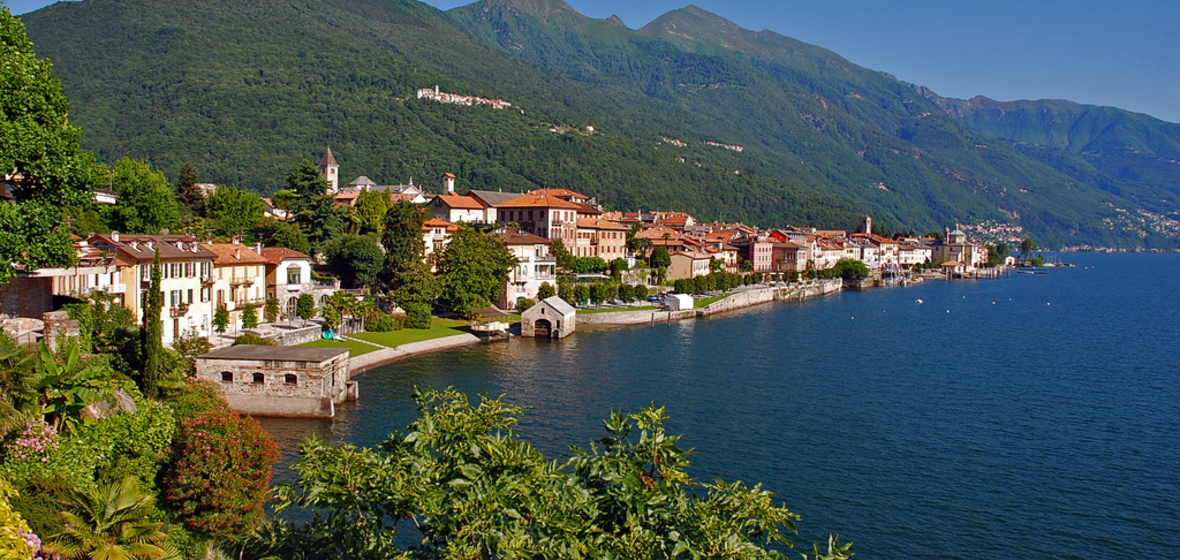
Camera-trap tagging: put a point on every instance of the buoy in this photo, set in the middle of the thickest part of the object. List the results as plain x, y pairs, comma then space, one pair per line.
919, 302
948, 310
993, 303
1048, 304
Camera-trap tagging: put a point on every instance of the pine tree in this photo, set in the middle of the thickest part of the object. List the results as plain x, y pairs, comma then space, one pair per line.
249, 316
152, 335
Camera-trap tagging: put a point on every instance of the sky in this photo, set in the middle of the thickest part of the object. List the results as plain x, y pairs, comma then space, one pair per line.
1102, 52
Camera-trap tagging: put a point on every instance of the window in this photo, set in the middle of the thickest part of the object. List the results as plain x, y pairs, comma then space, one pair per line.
290, 379
204, 295
259, 378
175, 297
227, 377
294, 275
190, 295
220, 297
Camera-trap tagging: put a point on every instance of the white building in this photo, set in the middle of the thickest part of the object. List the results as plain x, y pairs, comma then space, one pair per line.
534, 266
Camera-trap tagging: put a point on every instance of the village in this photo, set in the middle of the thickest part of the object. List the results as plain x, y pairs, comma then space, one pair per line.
254, 303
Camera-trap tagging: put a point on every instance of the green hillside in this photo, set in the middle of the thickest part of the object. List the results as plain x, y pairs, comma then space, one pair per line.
246, 89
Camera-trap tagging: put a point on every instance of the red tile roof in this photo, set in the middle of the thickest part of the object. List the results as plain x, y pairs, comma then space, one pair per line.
536, 200
275, 255
459, 201
231, 254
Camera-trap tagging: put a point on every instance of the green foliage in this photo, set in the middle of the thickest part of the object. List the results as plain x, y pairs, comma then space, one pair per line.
413, 282
39, 144
152, 341
305, 181
83, 313
589, 265
147, 203
369, 211
617, 268
13, 528
186, 190
384, 323
249, 316
660, 258
473, 268
190, 344
565, 259
220, 319
220, 471
305, 307
545, 291
403, 236
252, 339
61, 387
524, 304
111, 522
461, 484
275, 233
234, 211
271, 310
356, 259
418, 315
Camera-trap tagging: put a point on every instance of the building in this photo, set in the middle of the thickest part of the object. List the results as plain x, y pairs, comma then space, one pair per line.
187, 278
436, 235
534, 267
600, 238
758, 250
689, 264
284, 381
288, 275
330, 171
543, 215
954, 247
549, 318
789, 257
457, 208
239, 279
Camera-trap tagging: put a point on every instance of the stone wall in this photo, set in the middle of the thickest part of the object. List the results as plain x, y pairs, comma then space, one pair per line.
634, 317
26, 297
312, 332
318, 386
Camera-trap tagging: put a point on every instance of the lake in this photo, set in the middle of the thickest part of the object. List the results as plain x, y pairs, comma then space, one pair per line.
1036, 416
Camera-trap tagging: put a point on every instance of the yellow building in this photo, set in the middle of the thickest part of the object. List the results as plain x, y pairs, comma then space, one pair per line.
239, 279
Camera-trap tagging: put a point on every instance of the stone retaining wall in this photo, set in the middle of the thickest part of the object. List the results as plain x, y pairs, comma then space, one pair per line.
634, 317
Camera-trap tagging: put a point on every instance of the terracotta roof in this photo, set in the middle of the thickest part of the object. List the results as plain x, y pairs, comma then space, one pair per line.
536, 200
449, 175
140, 248
513, 236
564, 194
438, 222
599, 223
459, 201
275, 255
587, 209
232, 254
693, 254
328, 159
657, 233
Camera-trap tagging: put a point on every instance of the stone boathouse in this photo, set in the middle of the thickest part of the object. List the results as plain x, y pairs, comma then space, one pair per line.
551, 317
284, 381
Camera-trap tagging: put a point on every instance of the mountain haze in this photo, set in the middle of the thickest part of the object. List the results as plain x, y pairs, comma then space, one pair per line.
245, 89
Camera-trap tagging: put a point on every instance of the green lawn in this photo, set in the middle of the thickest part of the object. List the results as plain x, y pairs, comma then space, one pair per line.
706, 301
439, 329
614, 309
357, 348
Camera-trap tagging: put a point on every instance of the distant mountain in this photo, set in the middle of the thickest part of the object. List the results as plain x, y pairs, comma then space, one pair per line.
852, 132
244, 89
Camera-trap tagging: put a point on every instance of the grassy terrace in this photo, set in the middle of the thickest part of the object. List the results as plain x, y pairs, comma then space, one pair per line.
438, 329
614, 309
706, 301
357, 348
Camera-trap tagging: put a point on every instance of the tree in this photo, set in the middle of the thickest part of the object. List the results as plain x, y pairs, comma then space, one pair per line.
189, 345
565, 259
112, 521
276, 233
473, 269
220, 319
402, 238
186, 189
321, 221
306, 181
147, 204
235, 211
414, 283
305, 307
152, 341
356, 259
38, 143
249, 316
617, 268
271, 311
545, 291
1027, 245
489, 494
660, 258
369, 211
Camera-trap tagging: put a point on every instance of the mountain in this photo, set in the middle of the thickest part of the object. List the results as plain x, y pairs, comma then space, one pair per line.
246, 89
855, 133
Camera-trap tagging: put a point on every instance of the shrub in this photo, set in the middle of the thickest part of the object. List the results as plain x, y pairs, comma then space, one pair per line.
418, 315
220, 471
545, 291
253, 340
16, 539
385, 323
524, 304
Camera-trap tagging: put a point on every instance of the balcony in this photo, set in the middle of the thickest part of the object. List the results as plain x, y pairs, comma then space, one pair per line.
177, 311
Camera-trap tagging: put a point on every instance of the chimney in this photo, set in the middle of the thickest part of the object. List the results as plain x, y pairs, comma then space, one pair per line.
436, 89
237, 240
115, 236
238, 254
449, 183
258, 247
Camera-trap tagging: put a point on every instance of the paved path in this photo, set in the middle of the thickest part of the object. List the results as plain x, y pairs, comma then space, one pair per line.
387, 354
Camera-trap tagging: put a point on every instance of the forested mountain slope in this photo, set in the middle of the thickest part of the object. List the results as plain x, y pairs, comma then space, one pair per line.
246, 89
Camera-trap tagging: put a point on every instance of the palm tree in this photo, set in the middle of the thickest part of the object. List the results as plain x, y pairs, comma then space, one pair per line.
109, 523
19, 402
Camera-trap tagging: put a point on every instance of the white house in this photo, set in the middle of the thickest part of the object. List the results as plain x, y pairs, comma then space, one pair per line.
534, 266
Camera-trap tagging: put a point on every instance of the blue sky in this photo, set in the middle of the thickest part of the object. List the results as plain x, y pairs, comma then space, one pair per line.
1125, 54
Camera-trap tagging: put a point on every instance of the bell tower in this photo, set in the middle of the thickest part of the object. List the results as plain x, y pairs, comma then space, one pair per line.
330, 170
866, 224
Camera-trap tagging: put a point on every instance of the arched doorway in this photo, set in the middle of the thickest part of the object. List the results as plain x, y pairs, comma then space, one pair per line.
542, 329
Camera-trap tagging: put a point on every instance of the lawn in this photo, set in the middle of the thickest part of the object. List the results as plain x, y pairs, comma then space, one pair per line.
706, 301
357, 348
439, 328
614, 309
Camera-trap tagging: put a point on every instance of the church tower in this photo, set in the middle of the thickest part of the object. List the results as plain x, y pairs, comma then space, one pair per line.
866, 224
330, 170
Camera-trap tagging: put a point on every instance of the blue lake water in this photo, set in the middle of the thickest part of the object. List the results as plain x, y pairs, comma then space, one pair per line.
1028, 417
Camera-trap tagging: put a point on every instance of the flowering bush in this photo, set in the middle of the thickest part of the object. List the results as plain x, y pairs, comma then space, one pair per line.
221, 470
33, 443
16, 540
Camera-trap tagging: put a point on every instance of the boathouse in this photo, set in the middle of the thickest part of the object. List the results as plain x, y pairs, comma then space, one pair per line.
550, 318
283, 381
